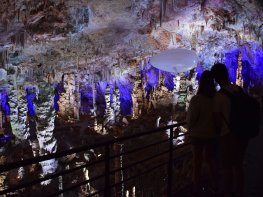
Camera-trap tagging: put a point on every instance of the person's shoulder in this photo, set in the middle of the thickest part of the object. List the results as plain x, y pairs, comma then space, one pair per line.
232, 88
219, 96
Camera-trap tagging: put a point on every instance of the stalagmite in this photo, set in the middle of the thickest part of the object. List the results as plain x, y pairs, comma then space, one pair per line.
176, 80
116, 103
182, 91
18, 106
69, 100
94, 93
109, 111
45, 127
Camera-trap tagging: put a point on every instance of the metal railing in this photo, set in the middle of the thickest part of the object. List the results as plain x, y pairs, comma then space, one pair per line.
106, 162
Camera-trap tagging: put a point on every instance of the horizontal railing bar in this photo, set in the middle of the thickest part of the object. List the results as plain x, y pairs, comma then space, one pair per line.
51, 176
25, 162
149, 158
66, 172
77, 185
144, 147
151, 169
138, 149
144, 172
138, 162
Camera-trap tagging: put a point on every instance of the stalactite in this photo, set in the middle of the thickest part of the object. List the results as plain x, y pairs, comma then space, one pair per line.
206, 19
19, 39
173, 4
162, 7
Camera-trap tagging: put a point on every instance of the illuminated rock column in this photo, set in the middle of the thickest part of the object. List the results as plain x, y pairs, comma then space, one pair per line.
63, 101
18, 106
192, 87
116, 103
152, 100
182, 91
137, 95
69, 101
176, 80
239, 80
161, 80
135, 110
97, 127
32, 94
94, 91
109, 112
137, 100
45, 126
77, 102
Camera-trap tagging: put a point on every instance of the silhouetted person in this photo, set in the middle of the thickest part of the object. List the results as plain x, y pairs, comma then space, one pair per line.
232, 146
202, 130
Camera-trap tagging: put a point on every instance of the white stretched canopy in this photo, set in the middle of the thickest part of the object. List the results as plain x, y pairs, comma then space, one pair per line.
175, 60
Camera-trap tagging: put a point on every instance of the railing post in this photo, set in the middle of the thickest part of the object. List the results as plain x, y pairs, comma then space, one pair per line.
107, 192
170, 164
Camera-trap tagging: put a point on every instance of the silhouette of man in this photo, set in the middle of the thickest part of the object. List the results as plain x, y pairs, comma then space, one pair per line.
232, 147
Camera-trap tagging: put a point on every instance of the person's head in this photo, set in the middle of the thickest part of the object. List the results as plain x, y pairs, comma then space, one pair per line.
206, 84
220, 73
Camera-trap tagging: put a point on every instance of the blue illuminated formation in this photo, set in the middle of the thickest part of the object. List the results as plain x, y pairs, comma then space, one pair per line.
56, 99
231, 61
86, 97
125, 88
4, 139
31, 97
4, 103
252, 74
252, 70
168, 81
199, 70
252, 65
247, 72
152, 77
58, 89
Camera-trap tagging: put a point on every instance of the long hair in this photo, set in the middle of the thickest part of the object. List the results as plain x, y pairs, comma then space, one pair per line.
206, 84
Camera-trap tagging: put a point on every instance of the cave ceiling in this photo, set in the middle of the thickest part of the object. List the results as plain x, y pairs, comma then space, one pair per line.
59, 35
